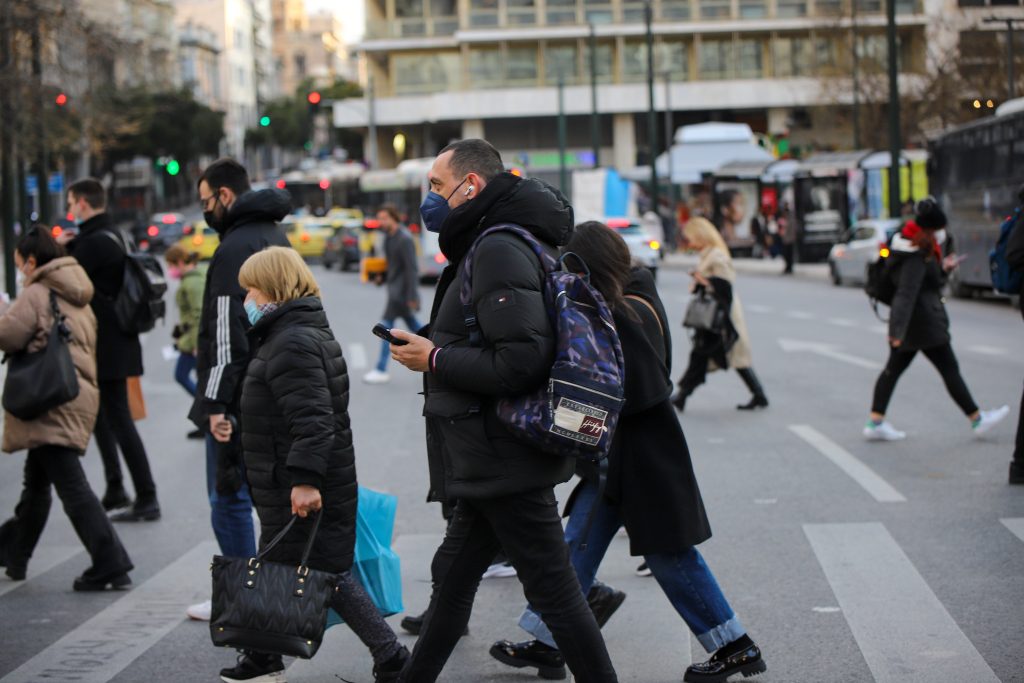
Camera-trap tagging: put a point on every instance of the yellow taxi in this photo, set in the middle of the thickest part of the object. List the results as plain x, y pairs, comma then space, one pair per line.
200, 238
308, 236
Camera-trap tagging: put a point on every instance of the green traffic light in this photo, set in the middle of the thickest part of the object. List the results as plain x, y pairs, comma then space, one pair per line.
264, 121
173, 168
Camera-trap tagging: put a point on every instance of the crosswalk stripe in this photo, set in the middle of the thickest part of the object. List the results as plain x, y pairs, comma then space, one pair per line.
356, 356
842, 322
43, 560
107, 643
1015, 525
869, 480
903, 631
800, 315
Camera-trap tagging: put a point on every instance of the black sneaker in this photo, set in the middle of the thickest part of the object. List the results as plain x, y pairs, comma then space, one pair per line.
643, 569
391, 669
744, 660
145, 511
255, 667
115, 498
94, 584
603, 600
548, 661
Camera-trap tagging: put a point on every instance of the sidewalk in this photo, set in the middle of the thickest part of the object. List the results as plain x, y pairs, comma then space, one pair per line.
751, 266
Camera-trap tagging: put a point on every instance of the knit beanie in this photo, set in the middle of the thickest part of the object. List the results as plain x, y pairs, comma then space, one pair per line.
928, 215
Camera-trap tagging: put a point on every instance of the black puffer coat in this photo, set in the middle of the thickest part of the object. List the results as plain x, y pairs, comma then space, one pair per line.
471, 454
296, 430
918, 318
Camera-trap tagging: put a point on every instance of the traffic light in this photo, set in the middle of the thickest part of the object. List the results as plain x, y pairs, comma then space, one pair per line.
313, 98
61, 99
173, 167
264, 120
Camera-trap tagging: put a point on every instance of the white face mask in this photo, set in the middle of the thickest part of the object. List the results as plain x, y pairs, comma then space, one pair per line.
19, 279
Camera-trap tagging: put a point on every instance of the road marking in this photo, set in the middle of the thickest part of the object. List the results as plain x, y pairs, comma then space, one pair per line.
903, 631
356, 356
826, 610
879, 488
987, 350
830, 351
1015, 525
43, 560
879, 329
843, 322
106, 644
800, 315
758, 308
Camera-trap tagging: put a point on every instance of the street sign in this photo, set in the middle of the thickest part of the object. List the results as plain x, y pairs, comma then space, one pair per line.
31, 185
56, 183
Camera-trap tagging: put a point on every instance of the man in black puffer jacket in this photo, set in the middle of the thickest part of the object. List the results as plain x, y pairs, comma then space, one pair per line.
502, 488
1015, 257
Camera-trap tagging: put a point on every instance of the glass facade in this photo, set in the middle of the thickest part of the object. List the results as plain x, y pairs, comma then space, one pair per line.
425, 72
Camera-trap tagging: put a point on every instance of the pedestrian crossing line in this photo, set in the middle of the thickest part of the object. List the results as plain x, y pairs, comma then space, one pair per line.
902, 629
43, 560
107, 643
1015, 525
758, 308
987, 350
800, 315
356, 356
842, 322
869, 480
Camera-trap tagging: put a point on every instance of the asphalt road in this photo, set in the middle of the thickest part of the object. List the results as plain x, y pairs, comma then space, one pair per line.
846, 560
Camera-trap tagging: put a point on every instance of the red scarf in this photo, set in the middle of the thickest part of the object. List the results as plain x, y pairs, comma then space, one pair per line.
922, 238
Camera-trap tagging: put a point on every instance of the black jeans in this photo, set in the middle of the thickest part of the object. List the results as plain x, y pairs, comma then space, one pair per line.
529, 529
115, 427
60, 466
944, 360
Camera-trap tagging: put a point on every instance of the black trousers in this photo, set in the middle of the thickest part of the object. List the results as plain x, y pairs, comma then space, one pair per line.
115, 427
1018, 449
787, 256
529, 529
61, 467
944, 360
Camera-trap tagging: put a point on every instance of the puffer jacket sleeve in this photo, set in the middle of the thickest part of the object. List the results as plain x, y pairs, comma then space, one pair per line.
908, 287
228, 350
18, 326
297, 379
518, 343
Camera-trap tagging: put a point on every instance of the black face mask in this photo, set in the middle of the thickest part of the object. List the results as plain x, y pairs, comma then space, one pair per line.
213, 219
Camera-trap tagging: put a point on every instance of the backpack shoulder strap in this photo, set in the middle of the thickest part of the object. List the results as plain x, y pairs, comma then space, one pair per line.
118, 240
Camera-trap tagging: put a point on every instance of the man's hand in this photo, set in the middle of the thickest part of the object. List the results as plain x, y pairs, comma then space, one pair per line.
305, 499
64, 237
895, 343
416, 354
220, 428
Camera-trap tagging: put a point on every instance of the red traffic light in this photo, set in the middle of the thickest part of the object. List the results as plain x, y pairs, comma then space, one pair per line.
324, 184
61, 99
280, 184
313, 97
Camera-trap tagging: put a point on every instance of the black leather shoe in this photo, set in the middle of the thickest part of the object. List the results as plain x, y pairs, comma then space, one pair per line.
755, 403
414, 624
603, 600
90, 584
16, 573
718, 669
1016, 473
115, 497
549, 662
255, 666
140, 512
391, 669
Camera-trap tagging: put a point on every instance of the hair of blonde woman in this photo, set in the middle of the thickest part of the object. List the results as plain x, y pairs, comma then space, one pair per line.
703, 231
280, 273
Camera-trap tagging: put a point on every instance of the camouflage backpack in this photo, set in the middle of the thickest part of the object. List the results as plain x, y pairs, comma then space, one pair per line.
575, 413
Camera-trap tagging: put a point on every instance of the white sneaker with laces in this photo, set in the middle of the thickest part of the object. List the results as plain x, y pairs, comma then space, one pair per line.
376, 377
499, 570
200, 611
989, 419
882, 432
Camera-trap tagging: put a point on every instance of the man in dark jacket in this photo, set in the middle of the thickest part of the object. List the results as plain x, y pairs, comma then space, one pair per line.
246, 222
402, 284
503, 489
102, 250
1015, 257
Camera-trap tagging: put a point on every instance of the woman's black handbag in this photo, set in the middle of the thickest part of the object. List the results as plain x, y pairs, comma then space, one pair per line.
270, 607
42, 380
703, 313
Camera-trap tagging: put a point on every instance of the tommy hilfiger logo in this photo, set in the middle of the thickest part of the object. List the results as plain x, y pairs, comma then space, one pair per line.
579, 421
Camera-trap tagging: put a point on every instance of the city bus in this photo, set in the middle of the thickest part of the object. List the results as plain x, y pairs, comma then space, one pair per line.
975, 171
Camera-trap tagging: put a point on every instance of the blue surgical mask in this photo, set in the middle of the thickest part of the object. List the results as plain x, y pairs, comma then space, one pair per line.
254, 312
433, 211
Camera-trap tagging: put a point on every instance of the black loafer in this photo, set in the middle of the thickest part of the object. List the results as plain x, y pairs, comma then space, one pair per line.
89, 584
603, 600
414, 624
140, 512
747, 661
549, 662
115, 498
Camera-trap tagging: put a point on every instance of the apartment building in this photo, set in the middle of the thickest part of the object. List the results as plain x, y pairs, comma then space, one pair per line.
144, 30
308, 46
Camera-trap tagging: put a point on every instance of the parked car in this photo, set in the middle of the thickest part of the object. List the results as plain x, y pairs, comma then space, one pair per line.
308, 236
162, 230
342, 248
645, 250
431, 260
200, 238
848, 261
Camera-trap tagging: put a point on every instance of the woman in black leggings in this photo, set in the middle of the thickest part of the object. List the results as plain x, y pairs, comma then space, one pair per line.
919, 322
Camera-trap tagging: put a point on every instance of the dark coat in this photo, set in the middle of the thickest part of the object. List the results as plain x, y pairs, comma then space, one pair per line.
918, 317
471, 455
118, 353
650, 474
296, 430
403, 274
1015, 252
222, 349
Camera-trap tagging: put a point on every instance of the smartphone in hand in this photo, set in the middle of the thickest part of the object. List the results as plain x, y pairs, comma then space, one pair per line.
385, 334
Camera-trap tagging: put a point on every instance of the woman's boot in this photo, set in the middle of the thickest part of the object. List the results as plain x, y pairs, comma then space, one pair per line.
758, 400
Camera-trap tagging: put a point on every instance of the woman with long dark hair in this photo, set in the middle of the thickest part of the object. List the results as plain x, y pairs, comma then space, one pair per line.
650, 485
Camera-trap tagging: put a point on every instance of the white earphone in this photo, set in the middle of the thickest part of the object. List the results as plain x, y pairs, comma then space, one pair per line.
469, 191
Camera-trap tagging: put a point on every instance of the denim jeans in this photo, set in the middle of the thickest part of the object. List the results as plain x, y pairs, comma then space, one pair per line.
183, 372
231, 515
385, 348
684, 577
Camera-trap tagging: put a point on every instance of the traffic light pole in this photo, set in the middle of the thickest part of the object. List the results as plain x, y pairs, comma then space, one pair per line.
652, 117
595, 130
42, 163
7, 150
895, 144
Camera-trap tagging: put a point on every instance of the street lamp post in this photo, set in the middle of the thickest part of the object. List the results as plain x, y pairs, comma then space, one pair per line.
652, 117
595, 131
563, 176
894, 112
371, 108
670, 239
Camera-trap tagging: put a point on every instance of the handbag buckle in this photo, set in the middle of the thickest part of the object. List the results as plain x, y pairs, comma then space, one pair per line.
302, 571
251, 565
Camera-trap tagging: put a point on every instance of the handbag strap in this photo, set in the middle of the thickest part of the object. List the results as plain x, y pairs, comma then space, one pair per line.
283, 532
650, 308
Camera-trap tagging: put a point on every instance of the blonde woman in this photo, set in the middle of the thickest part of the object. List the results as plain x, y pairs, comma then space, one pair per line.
726, 348
297, 445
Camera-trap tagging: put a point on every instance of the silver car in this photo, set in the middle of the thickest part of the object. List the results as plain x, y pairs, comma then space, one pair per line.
848, 261
646, 250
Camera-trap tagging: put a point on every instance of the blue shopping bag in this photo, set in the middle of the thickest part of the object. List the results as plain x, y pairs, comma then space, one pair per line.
376, 565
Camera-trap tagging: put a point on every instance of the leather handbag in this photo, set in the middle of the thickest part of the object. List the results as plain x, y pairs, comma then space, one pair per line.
41, 380
703, 313
268, 606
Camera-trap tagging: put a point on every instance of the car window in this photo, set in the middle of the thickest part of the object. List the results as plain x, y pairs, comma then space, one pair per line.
631, 230
864, 232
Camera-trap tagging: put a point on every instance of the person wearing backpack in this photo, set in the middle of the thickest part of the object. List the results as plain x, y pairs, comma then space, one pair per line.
918, 322
100, 250
502, 488
650, 485
56, 439
1015, 258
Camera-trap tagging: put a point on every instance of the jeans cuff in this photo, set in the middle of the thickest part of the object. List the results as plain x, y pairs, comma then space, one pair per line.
722, 635
531, 622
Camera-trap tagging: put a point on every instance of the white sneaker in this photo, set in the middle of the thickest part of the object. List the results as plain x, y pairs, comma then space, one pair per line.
643, 570
882, 432
989, 419
200, 612
500, 570
376, 377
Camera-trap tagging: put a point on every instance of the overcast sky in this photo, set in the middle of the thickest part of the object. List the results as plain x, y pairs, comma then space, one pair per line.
351, 14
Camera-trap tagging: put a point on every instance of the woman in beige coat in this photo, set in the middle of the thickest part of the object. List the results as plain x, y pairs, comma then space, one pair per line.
56, 439
729, 347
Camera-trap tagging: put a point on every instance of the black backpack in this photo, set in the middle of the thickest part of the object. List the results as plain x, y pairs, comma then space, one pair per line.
140, 301
880, 285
